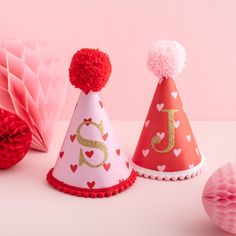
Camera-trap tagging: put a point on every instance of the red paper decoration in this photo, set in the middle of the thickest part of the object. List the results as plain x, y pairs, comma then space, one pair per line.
15, 139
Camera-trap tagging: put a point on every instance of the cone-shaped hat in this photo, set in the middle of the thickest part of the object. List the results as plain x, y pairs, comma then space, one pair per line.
91, 162
167, 149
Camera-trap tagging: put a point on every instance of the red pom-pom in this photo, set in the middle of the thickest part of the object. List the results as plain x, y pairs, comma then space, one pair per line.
90, 70
15, 139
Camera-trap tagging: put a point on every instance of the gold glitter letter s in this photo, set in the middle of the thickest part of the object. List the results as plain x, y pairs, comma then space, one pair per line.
92, 144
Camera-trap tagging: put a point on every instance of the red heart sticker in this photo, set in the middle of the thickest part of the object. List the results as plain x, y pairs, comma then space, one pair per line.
72, 137
101, 104
118, 152
89, 153
106, 166
127, 164
61, 154
91, 184
105, 136
73, 168
88, 121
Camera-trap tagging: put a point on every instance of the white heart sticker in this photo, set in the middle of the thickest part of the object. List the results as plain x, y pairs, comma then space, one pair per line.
174, 95
161, 168
188, 137
191, 166
176, 123
196, 149
160, 106
177, 151
145, 152
147, 123
161, 135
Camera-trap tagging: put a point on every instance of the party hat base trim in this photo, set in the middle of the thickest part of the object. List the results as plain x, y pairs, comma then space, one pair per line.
177, 175
93, 193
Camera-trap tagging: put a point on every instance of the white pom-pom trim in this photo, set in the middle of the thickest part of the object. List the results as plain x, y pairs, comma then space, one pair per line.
166, 58
177, 175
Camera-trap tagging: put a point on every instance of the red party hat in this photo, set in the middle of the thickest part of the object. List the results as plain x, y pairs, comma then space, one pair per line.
167, 149
91, 162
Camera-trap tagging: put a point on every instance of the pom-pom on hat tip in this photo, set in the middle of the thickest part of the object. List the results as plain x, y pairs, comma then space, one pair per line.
166, 59
89, 70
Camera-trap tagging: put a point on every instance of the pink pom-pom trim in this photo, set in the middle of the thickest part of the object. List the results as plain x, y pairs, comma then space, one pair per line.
166, 59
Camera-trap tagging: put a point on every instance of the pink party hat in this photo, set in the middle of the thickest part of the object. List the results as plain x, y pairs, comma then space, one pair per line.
91, 162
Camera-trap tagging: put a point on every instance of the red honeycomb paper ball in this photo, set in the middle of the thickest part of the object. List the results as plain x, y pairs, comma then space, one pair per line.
15, 139
89, 69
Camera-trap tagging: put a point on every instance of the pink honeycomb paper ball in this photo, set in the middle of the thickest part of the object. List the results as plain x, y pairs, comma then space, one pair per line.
219, 197
33, 83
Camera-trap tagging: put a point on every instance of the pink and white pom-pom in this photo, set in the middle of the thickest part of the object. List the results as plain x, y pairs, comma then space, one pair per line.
166, 59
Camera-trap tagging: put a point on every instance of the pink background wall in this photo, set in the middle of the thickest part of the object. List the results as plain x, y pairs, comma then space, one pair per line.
125, 29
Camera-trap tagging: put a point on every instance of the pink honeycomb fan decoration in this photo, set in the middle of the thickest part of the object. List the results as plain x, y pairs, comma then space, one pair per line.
33, 84
219, 197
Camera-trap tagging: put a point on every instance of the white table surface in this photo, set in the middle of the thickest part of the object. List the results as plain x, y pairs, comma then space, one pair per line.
30, 207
